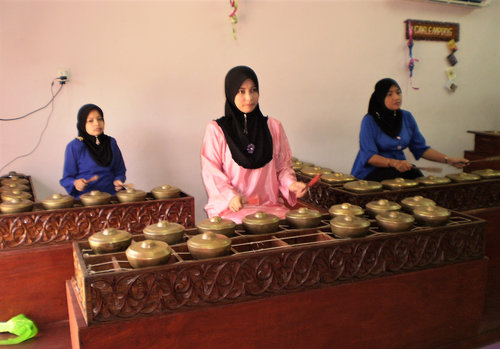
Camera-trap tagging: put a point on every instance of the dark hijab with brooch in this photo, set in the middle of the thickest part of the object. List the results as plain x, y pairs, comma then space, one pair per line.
99, 147
247, 135
388, 120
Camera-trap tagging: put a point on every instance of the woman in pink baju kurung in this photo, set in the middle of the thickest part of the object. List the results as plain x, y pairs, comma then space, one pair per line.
245, 157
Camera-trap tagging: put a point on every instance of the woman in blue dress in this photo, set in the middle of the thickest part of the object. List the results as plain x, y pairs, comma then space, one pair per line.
92, 160
385, 132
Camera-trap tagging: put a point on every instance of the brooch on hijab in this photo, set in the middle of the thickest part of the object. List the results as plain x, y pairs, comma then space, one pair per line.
250, 148
97, 141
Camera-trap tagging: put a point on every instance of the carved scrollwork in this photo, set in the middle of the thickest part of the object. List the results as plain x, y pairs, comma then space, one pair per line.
454, 196
247, 276
77, 223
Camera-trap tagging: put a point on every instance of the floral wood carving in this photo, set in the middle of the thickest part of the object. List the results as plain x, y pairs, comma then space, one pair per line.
44, 227
240, 277
454, 196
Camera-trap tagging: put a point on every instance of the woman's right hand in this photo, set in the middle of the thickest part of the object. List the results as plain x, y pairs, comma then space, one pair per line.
81, 183
400, 165
236, 203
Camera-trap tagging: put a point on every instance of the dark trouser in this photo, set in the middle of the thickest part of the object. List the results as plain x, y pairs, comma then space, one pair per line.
380, 173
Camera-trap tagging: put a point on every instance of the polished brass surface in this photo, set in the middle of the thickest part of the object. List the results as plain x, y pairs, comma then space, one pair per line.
218, 225
349, 226
168, 232
297, 165
16, 180
487, 173
345, 209
363, 186
304, 217
395, 221
131, 195
95, 197
433, 180
110, 240
412, 202
463, 177
311, 170
16, 205
165, 191
381, 206
57, 200
209, 245
399, 183
337, 177
432, 215
16, 194
261, 223
147, 253
12, 186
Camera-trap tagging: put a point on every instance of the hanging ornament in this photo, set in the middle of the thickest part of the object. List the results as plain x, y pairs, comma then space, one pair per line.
232, 17
411, 64
450, 71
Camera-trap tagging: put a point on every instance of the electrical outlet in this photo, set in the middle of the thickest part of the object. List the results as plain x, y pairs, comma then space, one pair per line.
63, 75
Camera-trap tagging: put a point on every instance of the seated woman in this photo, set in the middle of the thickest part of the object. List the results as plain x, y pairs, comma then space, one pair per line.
385, 132
245, 156
92, 160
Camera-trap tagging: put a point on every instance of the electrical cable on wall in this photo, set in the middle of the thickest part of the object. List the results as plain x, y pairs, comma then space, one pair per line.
62, 81
51, 102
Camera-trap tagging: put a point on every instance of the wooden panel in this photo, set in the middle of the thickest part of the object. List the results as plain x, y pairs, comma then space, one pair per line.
412, 310
480, 165
492, 217
54, 335
487, 142
32, 282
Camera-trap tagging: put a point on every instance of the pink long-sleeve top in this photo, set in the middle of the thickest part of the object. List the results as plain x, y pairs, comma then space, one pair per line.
224, 178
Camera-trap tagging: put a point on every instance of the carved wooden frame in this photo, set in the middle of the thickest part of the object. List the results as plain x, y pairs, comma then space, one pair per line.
41, 227
182, 285
454, 196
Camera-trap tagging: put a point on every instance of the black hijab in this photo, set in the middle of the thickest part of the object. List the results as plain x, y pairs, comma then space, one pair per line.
253, 149
99, 147
389, 121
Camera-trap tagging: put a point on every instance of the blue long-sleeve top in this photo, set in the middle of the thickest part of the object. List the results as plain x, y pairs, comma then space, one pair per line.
79, 164
372, 140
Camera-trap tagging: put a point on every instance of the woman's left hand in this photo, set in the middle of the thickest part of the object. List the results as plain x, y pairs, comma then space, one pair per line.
458, 162
118, 185
298, 188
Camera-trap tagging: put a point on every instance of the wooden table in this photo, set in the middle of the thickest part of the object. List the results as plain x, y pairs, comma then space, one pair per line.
420, 288
36, 249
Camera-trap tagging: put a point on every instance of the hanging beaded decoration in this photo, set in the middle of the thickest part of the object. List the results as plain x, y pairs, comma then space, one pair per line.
411, 64
232, 17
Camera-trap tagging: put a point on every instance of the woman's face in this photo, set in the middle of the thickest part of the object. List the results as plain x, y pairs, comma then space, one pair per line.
247, 97
95, 123
393, 99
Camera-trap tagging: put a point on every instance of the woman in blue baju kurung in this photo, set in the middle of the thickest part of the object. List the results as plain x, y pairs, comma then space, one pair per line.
385, 132
92, 160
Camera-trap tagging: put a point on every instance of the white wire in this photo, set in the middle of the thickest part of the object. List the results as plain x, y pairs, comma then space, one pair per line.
45, 127
62, 82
